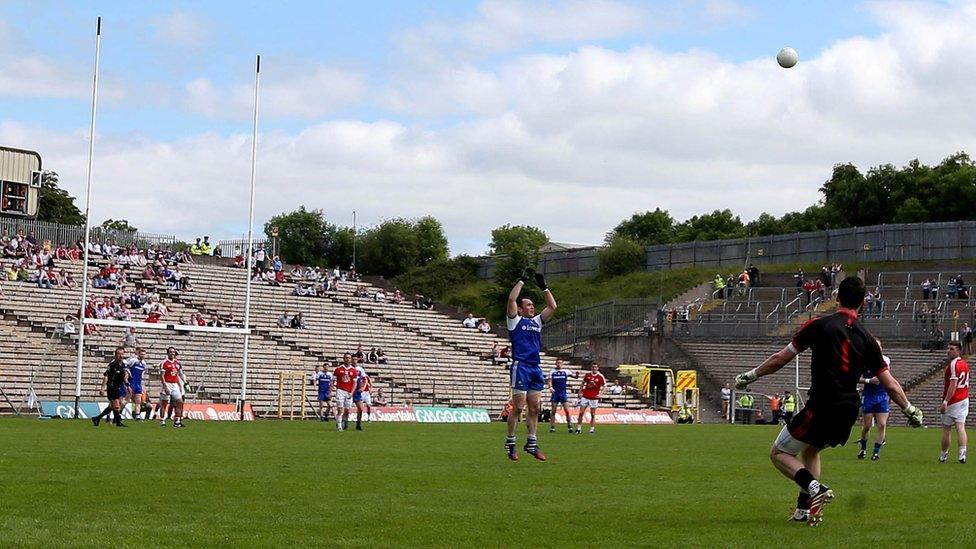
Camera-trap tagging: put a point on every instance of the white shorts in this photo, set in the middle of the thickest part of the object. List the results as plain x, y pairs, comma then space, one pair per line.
175, 392
786, 443
366, 399
589, 403
956, 413
343, 399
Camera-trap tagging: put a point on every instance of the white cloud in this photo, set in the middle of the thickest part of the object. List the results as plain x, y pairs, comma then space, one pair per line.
182, 30
299, 92
728, 11
572, 142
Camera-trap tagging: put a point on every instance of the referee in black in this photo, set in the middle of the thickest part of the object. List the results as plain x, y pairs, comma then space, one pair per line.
113, 383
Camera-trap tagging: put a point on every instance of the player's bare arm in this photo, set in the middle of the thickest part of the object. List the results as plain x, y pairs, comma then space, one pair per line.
550, 309
950, 390
897, 394
769, 366
101, 391
512, 308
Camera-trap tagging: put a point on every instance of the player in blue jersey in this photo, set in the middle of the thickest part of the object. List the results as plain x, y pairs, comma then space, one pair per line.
323, 382
528, 381
137, 367
557, 381
874, 409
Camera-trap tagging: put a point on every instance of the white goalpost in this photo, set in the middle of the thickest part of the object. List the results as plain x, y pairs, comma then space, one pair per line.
172, 327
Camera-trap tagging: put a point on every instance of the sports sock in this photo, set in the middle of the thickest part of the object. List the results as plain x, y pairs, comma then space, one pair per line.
877, 447
803, 501
104, 413
962, 452
509, 439
803, 478
863, 443
944, 455
117, 417
531, 443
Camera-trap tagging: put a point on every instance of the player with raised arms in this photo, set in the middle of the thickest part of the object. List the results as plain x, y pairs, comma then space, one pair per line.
955, 401
842, 351
593, 383
874, 412
528, 381
557, 381
347, 378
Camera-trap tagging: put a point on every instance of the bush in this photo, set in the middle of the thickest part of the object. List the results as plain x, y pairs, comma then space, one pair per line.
440, 277
622, 256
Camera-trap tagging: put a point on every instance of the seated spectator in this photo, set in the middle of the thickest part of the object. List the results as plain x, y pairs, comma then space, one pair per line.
297, 273
68, 326
276, 264
616, 389
506, 353
470, 321
42, 278
232, 322
397, 297
284, 321
483, 326
215, 321
154, 316
239, 259
380, 356
303, 290
271, 278
279, 278
298, 323
372, 357
427, 303
359, 356
129, 339
361, 291
379, 296
379, 399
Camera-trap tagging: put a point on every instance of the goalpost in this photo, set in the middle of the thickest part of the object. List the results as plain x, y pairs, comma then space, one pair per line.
176, 328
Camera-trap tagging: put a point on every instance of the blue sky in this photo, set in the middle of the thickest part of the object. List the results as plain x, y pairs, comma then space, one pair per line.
414, 108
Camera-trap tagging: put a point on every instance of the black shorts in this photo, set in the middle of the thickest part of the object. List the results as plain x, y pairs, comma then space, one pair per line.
113, 393
823, 426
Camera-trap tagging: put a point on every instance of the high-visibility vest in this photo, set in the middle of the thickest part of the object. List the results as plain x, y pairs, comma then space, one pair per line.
789, 403
746, 401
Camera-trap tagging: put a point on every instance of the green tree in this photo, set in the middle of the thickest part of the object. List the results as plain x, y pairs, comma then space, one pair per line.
431, 240
622, 256
55, 204
716, 225
338, 252
647, 228
765, 225
911, 211
857, 200
304, 236
121, 225
439, 278
508, 238
390, 249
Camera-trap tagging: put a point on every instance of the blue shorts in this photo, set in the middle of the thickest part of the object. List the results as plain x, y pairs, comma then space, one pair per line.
875, 404
559, 398
136, 389
357, 396
323, 395
527, 377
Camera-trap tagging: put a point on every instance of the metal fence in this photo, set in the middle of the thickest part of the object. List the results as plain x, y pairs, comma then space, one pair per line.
230, 248
898, 242
604, 318
67, 235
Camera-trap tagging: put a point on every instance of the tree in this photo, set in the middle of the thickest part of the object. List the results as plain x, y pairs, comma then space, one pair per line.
911, 211
647, 228
622, 256
304, 236
716, 225
338, 252
857, 200
438, 278
524, 238
431, 240
55, 204
389, 249
765, 225
120, 225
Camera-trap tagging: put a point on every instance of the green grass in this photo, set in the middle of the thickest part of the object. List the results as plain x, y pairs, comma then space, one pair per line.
65, 483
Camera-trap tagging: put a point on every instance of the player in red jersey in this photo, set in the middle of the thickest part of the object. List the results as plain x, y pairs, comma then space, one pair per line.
955, 401
171, 393
593, 383
347, 379
842, 351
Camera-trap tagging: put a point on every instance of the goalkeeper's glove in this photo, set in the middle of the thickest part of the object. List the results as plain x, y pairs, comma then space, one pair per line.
527, 275
540, 281
187, 388
743, 380
914, 416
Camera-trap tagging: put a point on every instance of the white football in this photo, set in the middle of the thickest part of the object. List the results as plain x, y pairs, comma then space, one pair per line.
787, 57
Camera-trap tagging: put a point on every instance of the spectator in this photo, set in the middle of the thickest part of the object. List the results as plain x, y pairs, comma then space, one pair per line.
379, 296
746, 402
206, 248
397, 297
380, 356
753, 275
260, 256
470, 321
129, 339
297, 273
298, 323
215, 320
372, 357
380, 399
775, 405
938, 338
506, 353
218, 252
789, 406
303, 290
926, 289
869, 303
726, 398
276, 264
961, 289
798, 277
196, 248
935, 290
361, 291
239, 258
967, 339
483, 326
923, 313
951, 288
42, 278
68, 326
284, 320
232, 322
359, 356
878, 302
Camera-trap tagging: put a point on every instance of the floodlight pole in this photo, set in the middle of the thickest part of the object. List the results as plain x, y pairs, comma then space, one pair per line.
354, 238
250, 237
84, 276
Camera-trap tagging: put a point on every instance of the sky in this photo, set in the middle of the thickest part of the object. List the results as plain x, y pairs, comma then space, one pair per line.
570, 116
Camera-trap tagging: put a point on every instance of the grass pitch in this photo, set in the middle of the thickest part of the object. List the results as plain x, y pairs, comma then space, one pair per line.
66, 483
